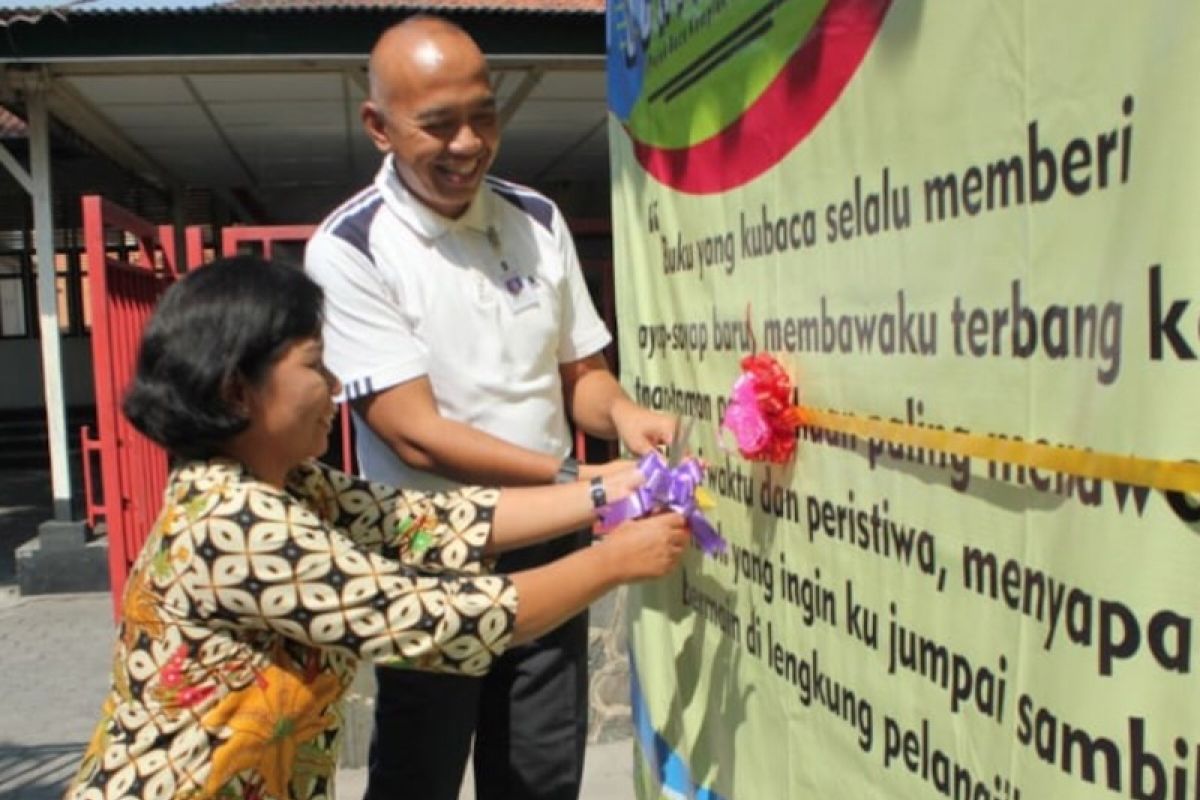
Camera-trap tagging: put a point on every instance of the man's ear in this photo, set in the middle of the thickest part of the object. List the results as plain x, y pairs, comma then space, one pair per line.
375, 123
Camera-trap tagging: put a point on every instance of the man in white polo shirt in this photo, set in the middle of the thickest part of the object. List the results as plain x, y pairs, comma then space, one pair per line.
459, 322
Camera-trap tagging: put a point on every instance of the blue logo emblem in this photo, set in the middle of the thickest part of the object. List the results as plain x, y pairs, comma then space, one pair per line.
626, 33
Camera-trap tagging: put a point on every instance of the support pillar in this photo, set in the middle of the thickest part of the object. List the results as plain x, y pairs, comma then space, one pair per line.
38, 121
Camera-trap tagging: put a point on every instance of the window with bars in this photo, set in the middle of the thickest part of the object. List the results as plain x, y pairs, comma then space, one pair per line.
18, 289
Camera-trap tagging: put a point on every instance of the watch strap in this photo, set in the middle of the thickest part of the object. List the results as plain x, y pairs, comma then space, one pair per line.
596, 489
568, 471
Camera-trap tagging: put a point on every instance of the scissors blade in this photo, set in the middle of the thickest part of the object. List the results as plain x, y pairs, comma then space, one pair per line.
678, 447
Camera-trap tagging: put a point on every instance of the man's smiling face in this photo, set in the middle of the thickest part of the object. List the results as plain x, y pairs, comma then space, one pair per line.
433, 108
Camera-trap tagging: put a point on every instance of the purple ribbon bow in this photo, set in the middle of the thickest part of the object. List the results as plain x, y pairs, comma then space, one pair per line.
666, 487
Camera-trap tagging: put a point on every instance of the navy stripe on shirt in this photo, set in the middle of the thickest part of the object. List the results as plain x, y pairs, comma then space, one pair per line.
532, 203
353, 224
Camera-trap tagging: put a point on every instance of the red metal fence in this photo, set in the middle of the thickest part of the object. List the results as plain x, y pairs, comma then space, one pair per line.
262, 238
130, 264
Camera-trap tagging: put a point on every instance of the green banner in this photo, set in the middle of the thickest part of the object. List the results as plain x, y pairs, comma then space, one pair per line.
966, 216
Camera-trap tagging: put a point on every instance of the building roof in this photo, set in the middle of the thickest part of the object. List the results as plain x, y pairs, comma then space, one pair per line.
101, 30
516, 6
257, 101
17, 11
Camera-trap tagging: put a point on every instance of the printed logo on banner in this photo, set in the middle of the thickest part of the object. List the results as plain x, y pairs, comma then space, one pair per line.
770, 71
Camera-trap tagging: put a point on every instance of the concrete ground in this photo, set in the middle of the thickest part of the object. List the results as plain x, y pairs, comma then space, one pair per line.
54, 655
54, 658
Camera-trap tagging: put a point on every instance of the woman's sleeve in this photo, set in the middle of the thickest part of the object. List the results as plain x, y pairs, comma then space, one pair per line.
264, 559
432, 530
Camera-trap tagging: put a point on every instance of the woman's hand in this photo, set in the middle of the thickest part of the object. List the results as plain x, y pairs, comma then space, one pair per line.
637, 550
589, 471
647, 548
621, 481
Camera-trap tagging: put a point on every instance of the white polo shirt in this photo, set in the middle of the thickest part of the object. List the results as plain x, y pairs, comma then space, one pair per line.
487, 306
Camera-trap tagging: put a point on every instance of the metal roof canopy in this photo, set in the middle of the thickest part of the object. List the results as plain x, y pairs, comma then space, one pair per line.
261, 107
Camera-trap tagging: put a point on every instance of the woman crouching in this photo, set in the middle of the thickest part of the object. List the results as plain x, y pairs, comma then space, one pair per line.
269, 576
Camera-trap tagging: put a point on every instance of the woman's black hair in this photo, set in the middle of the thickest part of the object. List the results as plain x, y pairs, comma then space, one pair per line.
225, 322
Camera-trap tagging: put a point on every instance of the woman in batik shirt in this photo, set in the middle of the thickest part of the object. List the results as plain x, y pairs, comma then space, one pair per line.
268, 577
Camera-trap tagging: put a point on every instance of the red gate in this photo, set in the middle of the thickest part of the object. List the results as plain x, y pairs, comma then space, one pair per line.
130, 264
264, 236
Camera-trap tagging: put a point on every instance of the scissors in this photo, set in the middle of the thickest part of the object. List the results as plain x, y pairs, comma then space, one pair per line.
678, 447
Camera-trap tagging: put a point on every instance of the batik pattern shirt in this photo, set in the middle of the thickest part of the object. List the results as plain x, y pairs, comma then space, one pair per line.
249, 609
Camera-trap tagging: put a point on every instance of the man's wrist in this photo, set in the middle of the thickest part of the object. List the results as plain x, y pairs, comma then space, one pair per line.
568, 471
621, 406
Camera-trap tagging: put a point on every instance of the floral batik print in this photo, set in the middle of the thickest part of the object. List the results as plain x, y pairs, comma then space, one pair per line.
249, 609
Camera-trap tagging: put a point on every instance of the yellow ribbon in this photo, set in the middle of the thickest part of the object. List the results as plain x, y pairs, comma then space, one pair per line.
1176, 476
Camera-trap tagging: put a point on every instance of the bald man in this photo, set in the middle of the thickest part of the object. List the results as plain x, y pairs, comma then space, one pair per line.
458, 320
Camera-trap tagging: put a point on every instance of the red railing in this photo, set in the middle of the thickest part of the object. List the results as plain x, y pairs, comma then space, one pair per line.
264, 237
130, 264
90, 453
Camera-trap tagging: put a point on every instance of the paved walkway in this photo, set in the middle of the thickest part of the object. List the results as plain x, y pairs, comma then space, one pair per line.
54, 655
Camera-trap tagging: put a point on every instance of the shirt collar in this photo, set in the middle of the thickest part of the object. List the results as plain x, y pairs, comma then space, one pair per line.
478, 217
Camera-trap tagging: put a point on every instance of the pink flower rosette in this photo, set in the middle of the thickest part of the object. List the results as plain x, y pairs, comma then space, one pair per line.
760, 414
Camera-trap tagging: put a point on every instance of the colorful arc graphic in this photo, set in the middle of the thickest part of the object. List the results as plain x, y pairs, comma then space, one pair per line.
803, 91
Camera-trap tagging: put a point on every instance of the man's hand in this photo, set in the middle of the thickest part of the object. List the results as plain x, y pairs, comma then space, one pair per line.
597, 404
640, 429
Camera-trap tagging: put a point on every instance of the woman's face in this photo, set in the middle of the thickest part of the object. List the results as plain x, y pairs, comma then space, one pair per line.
291, 411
